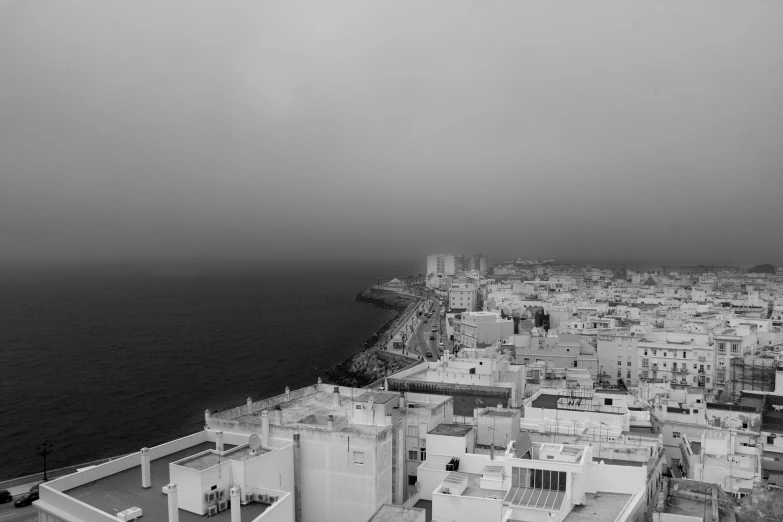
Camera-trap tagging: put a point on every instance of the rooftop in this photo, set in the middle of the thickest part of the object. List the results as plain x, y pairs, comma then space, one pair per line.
297, 412
598, 506
123, 490
378, 397
389, 513
500, 413
451, 430
212, 458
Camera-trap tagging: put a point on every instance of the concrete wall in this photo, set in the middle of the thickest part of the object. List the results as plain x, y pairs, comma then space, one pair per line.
280, 511
190, 496
616, 479
467, 509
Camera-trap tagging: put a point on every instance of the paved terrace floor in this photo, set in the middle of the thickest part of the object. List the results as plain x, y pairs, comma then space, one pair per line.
598, 507
123, 490
535, 498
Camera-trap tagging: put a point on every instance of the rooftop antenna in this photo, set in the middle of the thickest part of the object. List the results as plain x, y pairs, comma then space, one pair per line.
254, 442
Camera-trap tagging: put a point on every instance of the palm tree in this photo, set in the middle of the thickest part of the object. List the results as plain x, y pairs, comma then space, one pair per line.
516, 316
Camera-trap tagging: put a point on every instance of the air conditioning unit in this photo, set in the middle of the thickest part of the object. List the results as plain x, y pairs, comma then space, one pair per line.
446, 491
129, 514
212, 510
259, 497
221, 494
209, 496
249, 498
222, 505
272, 499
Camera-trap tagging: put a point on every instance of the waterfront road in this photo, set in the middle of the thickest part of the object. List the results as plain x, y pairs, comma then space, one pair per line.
423, 341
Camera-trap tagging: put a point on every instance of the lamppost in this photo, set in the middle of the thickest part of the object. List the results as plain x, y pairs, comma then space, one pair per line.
44, 450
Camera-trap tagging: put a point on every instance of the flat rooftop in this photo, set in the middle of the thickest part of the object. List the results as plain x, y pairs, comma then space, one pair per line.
688, 507
499, 413
451, 430
312, 407
123, 490
379, 397
389, 513
598, 506
207, 460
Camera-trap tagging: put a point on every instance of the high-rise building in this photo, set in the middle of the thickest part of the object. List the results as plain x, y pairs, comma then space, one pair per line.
449, 264
440, 264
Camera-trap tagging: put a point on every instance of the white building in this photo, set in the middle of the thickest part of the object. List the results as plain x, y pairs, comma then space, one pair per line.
440, 264
462, 296
475, 329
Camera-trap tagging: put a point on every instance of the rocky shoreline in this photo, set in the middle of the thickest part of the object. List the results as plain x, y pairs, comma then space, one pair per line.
372, 362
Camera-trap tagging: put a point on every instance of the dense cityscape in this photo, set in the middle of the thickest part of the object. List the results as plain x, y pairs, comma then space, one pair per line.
522, 390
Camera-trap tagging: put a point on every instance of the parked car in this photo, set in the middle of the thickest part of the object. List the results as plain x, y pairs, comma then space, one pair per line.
440, 344
5, 496
27, 499
429, 353
432, 337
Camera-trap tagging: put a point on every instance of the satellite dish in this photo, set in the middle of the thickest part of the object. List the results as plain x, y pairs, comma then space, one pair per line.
254, 442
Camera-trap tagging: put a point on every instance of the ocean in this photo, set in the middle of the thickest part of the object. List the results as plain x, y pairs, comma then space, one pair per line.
104, 362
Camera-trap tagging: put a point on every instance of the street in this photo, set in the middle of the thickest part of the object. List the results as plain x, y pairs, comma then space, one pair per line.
423, 342
9, 513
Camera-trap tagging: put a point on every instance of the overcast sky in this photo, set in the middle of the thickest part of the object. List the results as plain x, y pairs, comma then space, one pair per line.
617, 131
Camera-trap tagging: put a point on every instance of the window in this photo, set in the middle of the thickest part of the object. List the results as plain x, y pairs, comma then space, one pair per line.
358, 457
527, 360
708, 367
629, 374
695, 366
684, 355
770, 439
619, 373
645, 351
629, 363
676, 434
607, 402
412, 454
708, 380
575, 364
664, 354
655, 352
413, 431
664, 365
619, 363
744, 425
423, 454
721, 347
734, 348
358, 406
698, 401
644, 374
674, 366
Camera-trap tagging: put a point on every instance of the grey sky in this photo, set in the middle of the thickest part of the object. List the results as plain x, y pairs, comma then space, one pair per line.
581, 130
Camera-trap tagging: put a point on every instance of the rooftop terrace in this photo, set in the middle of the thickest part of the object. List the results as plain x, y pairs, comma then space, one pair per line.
312, 408
598, 507
123, 490
208, 459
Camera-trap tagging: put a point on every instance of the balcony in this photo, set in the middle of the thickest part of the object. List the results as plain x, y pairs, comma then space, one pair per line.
702, 358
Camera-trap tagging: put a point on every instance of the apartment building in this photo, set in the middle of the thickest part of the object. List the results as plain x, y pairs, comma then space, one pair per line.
462, 297
476, 329
440, 264
618, 358
352, 456
682, 365
730, 343
565, 351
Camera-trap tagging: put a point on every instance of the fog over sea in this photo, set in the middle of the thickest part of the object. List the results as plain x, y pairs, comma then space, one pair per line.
105, 361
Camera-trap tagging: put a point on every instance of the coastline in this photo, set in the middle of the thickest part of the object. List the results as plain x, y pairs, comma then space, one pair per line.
372, 362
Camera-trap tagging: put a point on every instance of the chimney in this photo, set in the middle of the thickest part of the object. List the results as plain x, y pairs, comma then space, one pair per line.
265, 428
336, 397
236, 514
206, 416
249, 405
403, 401
319, 380
219, 441
330, 423
146, 482
287, 393
171, 491
278, 420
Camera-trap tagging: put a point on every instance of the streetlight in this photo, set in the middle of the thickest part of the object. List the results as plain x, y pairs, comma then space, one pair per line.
44, 450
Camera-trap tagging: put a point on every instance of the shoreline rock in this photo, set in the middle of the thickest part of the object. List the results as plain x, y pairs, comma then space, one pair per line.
372, 363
